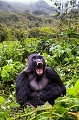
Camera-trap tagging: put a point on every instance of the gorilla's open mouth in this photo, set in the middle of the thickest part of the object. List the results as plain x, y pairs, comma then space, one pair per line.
39, 68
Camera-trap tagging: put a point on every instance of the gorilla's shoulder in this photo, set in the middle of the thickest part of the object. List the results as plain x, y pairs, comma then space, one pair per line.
51, 74
50, 70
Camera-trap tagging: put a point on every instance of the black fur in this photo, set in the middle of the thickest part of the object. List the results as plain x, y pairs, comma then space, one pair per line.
25, 92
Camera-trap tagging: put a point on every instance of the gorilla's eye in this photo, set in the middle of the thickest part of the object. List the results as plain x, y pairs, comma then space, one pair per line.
39, 68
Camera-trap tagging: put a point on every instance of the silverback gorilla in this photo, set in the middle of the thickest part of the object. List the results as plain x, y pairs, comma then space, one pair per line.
37, 83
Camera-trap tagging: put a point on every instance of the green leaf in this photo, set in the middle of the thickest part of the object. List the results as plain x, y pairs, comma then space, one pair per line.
2, 100
76, 86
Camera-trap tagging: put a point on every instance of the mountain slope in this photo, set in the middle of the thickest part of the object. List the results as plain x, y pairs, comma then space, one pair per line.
6, 7
21, 7
42, 6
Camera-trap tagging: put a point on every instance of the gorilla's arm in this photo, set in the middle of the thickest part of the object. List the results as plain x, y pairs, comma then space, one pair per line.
22, 88
55, 88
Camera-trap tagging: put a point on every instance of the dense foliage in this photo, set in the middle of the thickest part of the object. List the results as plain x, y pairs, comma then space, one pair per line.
60, 48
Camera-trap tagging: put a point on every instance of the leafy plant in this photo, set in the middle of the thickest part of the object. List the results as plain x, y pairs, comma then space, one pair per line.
10, 50
9, 71
31, 45
74, 91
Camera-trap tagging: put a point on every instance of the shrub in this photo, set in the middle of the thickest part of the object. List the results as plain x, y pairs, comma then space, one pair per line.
42, 32
31, 45
10, 50
9, 71
74, 91
46, 32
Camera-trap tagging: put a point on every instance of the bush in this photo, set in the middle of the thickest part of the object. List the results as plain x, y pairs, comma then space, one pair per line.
31, 45
3, 33
42, 32
46, 32
74, 91
9, 71
10, 50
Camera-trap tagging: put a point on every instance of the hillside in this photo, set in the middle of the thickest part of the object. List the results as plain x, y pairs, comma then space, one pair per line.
26, 16
21, 7
42, 6
6, 7
24, 20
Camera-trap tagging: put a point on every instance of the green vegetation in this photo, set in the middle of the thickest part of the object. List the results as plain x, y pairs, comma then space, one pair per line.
59, 44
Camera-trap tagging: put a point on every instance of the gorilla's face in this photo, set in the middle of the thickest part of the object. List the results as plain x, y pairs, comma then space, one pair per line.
39, 64
36, 64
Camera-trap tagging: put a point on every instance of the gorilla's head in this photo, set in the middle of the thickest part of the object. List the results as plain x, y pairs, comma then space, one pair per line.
36, 64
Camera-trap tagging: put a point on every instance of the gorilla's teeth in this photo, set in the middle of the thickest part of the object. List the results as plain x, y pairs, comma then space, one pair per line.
39, 63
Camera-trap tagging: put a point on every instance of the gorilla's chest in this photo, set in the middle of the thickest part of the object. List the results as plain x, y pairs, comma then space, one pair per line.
38, 85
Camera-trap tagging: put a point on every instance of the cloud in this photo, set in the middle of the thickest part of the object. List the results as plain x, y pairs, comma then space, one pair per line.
28, 1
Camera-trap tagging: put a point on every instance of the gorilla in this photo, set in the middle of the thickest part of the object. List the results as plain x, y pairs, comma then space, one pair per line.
37, 83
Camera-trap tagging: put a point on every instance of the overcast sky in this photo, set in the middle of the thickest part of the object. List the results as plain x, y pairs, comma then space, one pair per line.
50, 2
28, 1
